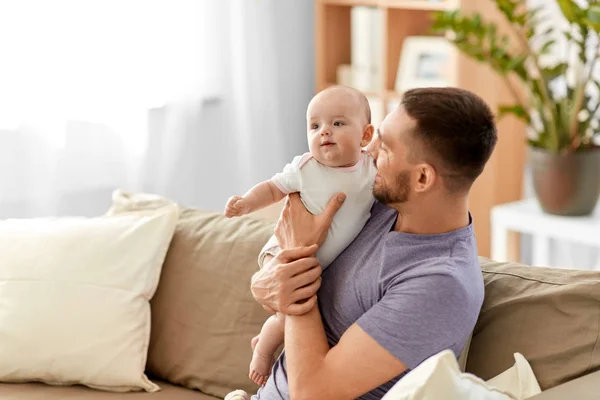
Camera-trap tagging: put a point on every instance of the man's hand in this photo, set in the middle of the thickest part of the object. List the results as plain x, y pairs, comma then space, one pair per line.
292, 276
297, 227
236, 207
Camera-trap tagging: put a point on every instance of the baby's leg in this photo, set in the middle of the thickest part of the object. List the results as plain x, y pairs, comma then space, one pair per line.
269, 340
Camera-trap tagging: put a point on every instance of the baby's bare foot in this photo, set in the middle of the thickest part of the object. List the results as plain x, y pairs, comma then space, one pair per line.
260, 367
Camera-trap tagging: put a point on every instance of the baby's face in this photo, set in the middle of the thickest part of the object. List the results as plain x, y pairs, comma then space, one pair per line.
336, 123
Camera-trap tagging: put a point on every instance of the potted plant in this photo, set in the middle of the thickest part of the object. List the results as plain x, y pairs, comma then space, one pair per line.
559, 102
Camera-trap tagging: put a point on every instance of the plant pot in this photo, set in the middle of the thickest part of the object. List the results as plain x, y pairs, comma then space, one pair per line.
566, 183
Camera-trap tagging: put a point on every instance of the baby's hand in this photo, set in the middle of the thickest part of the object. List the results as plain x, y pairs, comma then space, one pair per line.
236, 207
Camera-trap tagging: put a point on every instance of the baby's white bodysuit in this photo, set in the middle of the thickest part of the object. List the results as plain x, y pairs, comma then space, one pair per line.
317, 183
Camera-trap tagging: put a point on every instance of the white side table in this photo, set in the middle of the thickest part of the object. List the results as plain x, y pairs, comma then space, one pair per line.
527, 217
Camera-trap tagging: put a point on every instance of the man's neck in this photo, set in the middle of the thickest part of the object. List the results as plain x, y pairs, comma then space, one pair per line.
429, 218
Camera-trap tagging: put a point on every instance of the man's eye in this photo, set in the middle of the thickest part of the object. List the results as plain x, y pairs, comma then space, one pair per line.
338, 123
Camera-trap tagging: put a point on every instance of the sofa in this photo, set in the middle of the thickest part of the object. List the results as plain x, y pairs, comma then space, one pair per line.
203, 317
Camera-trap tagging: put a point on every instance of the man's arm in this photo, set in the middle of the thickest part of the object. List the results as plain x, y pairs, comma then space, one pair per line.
416, 318
356, 365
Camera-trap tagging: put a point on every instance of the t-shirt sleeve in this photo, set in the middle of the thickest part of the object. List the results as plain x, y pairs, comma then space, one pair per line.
288, 181
420, 317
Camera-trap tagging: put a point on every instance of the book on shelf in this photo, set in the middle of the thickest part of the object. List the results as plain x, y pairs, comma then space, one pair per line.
366, 47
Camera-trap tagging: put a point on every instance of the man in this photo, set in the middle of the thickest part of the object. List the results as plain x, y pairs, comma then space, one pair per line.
410, 285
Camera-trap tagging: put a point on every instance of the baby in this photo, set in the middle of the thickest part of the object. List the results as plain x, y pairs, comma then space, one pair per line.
339, 126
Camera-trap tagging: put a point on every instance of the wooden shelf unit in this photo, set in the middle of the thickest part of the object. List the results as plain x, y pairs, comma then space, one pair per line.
396, 4
502, 179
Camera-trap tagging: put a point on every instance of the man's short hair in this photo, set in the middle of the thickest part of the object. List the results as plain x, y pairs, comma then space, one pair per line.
456, 129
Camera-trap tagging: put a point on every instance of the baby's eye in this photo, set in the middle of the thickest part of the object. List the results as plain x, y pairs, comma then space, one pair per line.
338, 123
314, 126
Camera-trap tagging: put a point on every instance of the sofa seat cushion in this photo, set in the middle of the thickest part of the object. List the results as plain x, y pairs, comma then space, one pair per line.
40, 391
550, 315
585, 388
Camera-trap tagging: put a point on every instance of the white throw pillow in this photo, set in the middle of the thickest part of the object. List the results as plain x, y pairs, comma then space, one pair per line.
519, 380
439, 377
74, 298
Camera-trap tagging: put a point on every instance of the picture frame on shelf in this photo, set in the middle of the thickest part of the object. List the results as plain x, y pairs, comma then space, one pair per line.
426, 61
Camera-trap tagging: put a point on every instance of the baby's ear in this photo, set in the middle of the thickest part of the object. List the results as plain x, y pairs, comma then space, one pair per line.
367, 135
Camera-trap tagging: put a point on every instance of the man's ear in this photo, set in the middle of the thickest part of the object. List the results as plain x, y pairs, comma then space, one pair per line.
367, 135
426, 178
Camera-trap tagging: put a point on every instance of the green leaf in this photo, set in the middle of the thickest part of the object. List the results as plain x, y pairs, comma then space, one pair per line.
509, 9
593, 18
440, 21
570, 10
533, 12
516, 110
569, 36
543, 140
520, 19
551, 73
547, 31
584, 125
547, 47
581, 54
595, 109
593, 14
597, 84
564, 112
516, 62
535, 143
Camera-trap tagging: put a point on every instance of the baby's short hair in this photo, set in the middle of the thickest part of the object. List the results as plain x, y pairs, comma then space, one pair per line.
364, 102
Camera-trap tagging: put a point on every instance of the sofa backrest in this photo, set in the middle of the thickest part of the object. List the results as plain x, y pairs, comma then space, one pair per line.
203, 314
550, 315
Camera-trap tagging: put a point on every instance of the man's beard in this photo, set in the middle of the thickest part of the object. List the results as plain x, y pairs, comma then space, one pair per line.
397, 194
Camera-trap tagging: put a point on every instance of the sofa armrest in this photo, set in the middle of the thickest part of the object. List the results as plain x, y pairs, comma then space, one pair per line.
585, 388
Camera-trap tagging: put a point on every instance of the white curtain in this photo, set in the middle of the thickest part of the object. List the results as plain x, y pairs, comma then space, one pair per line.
192, 99
562, 254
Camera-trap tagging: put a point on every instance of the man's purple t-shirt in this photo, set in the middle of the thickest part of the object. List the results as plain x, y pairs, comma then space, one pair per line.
416, 295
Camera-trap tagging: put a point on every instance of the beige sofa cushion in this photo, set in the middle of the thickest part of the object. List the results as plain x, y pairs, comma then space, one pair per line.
203, 314
38, 391
551, 316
